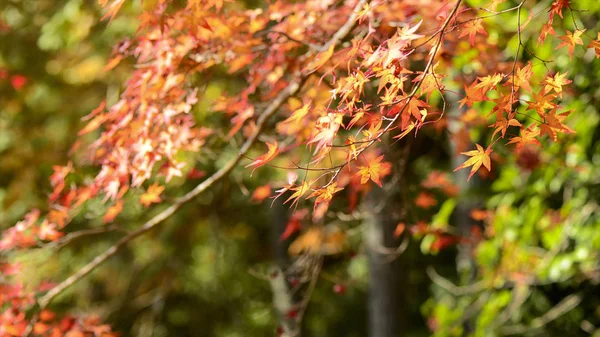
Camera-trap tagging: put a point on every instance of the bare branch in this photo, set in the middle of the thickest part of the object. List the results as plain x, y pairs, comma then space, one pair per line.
451, 287
564, 306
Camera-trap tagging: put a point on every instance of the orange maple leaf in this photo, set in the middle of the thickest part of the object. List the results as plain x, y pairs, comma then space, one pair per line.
261, 193
472, 95
478, 157
528, 136
596, 45
502, 123
571, 40
273, 150
546, 29
374, 170
425, 200
471, 28
521, 78
554, 124
113, 211
400, 227
325, 194
556, 8
152, 195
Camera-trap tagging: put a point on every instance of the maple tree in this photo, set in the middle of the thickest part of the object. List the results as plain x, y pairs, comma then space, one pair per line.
328, 89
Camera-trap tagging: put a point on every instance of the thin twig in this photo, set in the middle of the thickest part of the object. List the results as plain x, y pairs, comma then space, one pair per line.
567, 304
451, 287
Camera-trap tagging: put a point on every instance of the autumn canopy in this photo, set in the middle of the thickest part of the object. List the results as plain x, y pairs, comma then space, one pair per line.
381, 143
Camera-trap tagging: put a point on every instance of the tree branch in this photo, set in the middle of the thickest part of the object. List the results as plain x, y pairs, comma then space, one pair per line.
564, 306
155, 221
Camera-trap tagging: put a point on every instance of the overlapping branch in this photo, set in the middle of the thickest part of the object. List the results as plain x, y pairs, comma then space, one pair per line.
292, 88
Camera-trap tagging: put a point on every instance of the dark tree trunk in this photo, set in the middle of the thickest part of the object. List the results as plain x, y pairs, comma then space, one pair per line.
383, 209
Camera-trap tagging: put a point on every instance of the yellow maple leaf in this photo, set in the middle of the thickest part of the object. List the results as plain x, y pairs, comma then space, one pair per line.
152, 195
478, 157
319, 60
556, 83
299, 191
325, 194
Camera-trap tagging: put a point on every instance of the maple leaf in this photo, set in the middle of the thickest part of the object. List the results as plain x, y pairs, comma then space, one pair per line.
400, 227
113, 8
488, 82
319, 60
265, 158
528, 136
502, 123
360, 15
546, 29
357, 116
294, 224
596, 45
556, 83
374, 170
478, 157
152, 195
325, 131
556, 8
398, 49
479, 214
472, 95
113, 211
299, 191
408, 33
554, 124
261, 193
570, 40
325, 194
471, 28
437, 179
298, 115
406, 131
47, 231
425, 200
317, 240
521, 78
541, 102
58, 217
412, 108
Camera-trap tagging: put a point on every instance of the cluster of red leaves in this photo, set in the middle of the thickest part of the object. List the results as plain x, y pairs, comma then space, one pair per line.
15, 298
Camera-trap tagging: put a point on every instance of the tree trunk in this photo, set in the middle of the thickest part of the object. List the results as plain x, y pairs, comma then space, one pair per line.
384, 277
387, 317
